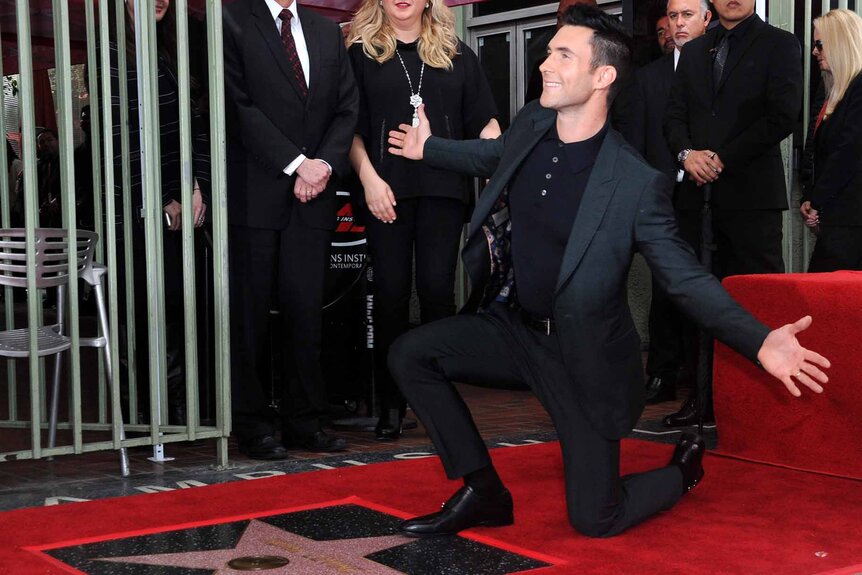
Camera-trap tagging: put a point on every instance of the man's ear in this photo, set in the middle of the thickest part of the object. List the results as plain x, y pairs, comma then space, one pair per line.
607, 75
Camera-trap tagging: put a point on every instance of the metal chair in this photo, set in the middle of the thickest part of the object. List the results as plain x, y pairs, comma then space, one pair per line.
52, 271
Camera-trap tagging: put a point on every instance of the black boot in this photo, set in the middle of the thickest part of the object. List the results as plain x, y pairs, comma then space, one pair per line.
660, 388
688, 415
390, 424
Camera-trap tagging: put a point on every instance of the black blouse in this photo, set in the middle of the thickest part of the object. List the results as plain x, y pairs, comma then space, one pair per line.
458, 103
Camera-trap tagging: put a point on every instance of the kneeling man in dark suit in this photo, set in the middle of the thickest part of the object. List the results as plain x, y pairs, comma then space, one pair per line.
552, 238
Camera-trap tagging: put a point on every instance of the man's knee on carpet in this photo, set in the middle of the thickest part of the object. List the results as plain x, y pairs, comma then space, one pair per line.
590, 522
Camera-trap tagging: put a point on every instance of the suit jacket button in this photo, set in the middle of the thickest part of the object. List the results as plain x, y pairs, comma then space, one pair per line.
304, 149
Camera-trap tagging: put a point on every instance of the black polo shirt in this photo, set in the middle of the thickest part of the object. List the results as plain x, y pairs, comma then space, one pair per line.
543, 199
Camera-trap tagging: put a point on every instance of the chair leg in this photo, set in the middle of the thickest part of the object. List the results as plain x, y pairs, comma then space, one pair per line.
58, 364
109, 373
55, 400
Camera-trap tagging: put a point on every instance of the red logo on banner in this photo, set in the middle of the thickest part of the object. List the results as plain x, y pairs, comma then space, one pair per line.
345, 221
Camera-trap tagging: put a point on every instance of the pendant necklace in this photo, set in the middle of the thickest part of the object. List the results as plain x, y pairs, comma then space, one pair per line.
415, 98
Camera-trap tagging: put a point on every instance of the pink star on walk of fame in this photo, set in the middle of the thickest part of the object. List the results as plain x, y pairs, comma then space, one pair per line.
307, 556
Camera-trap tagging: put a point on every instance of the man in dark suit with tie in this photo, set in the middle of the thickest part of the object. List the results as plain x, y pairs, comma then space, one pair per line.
292, 108
736, 95
670, 334
552, 238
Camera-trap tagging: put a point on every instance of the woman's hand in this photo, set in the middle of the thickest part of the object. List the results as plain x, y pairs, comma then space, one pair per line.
380, 199
812, 216
174, 210
199, 208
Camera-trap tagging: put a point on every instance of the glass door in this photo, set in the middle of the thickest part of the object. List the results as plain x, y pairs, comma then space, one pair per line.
510, 54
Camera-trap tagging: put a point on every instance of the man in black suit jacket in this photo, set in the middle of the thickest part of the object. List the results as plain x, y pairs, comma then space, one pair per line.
292, 109
726, 129
670, 334
554, 233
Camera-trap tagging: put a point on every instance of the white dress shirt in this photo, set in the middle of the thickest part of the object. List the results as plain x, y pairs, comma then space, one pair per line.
302, 50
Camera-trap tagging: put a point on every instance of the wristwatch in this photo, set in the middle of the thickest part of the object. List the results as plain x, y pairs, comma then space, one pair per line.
683, 156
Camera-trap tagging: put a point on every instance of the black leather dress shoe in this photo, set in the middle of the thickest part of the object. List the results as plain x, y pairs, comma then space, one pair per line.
464, 510
390, 425
263, 447
660, 388
688, 415
319, 441
688, 456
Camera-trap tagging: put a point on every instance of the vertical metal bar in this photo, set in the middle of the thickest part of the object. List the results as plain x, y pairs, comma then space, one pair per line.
128, 217
188, 229
8, 295
31, 220
806, 110
95, 159
781, 16
110, 208
220, 230
95, 125
148, 74
62, 52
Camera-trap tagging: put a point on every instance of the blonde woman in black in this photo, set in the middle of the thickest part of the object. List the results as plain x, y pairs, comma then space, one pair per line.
405, 53
833, 203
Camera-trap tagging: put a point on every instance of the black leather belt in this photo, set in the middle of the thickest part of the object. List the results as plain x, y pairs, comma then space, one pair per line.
543, 325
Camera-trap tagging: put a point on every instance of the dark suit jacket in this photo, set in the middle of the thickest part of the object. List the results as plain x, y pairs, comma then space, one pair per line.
744, 119
269, 124
625, 208
837, 187
644, 129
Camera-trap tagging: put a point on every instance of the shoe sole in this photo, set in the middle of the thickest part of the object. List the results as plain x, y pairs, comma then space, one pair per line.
489, 523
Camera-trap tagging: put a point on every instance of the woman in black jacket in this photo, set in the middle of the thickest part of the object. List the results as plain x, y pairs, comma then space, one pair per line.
833, 203
170, 191
405, 53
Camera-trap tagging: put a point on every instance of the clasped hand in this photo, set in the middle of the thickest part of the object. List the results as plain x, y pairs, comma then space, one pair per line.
703, 166
311, 179
174, 210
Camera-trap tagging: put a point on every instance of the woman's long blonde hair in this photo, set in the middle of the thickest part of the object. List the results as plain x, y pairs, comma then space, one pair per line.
438, 43
841, 34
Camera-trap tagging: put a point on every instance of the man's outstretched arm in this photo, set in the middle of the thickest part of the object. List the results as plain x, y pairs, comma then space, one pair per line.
700, 296
473, 157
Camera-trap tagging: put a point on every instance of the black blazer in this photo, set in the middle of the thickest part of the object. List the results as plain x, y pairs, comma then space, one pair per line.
837, 188
744, 119
644, 129
625, 208
269, 124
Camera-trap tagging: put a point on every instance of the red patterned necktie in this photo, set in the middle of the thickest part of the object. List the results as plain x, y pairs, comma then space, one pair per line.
290, 49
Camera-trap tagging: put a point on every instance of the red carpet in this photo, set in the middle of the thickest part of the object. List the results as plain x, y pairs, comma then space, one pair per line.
757, 418
743, 519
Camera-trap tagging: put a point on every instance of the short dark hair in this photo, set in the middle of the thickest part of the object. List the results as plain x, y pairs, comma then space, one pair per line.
611, 43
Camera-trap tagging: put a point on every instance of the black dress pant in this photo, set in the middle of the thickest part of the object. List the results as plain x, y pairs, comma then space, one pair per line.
672, 337
497, 349
281, 269
837, 248
174, 328
431, 229
746, 242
